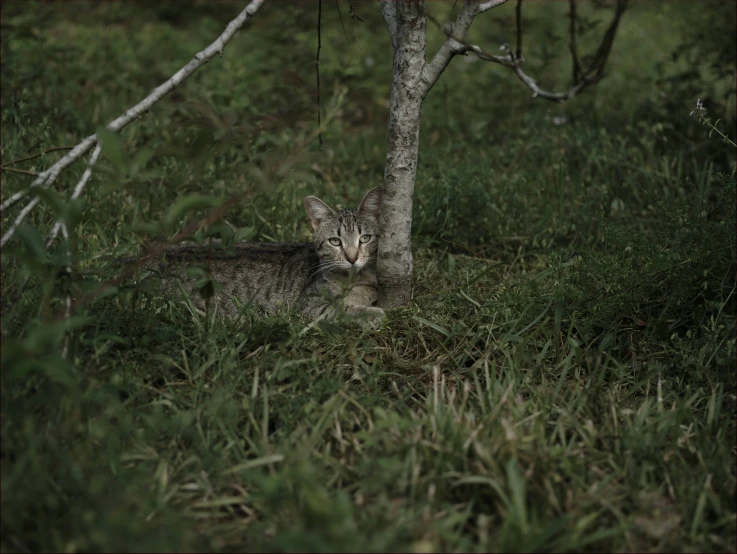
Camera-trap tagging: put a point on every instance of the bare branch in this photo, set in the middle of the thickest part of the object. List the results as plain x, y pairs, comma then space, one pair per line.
507, 61
87, 173
463, 47
592, 75
19, 220
486, 6
46, 178
55, 149
602, 53
547, 95
22, 171
60, 225
454, 45
342, 25
352, 12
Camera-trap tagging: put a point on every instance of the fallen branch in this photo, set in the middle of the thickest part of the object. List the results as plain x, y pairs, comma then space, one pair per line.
21, 216
60, 225
46, 178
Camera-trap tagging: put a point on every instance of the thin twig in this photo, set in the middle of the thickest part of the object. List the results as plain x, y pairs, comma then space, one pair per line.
605, 48
55, 149
340, 14
518, 19
354, 17
317, 68
507, 61
548, 95
591, 76
46, 178
23, 171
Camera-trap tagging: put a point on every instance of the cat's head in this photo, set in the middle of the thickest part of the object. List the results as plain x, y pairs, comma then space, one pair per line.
349, 238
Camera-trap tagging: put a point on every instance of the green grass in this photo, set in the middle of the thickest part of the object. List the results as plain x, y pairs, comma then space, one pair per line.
563, 379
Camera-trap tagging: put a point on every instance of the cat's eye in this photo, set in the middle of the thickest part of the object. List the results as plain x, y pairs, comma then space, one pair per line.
334, 242
365, 238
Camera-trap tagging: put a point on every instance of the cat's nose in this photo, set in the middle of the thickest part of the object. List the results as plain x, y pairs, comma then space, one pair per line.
351, 256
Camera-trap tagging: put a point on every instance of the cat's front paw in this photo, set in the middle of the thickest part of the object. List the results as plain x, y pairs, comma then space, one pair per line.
372, 317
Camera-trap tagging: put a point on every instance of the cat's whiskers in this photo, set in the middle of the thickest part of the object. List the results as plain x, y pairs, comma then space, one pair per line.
323, 266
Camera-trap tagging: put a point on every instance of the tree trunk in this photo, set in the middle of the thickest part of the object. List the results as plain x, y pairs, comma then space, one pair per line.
412, 79
406, 22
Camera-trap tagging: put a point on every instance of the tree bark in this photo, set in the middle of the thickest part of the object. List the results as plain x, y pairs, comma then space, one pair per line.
406, 22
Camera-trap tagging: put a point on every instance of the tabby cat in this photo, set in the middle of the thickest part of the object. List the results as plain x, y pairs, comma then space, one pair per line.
340, 262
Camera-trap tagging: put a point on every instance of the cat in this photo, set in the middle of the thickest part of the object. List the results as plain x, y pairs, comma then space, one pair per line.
340, 262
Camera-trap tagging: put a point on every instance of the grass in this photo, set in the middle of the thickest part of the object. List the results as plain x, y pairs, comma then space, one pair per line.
563, 379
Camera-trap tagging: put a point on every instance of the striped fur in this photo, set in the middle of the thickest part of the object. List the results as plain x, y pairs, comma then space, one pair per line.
306, 277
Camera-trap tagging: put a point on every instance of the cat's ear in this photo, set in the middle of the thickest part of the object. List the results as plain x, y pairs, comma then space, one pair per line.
371, 203
317, 210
